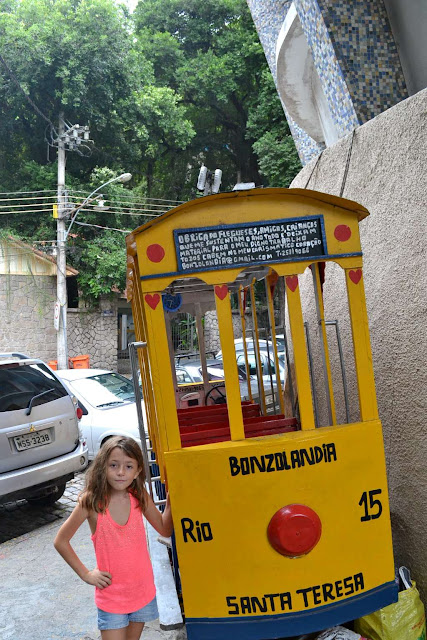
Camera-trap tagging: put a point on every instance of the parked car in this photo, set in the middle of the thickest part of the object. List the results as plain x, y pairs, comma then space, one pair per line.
107, 401
189, 378
41, 444
268, 367
264, 345
189, 369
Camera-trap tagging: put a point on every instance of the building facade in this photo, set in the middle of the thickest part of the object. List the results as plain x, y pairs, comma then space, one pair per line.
339, 64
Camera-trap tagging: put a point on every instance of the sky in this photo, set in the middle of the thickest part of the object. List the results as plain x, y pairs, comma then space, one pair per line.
131, 4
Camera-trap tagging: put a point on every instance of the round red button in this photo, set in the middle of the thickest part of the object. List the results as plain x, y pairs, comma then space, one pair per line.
294, 530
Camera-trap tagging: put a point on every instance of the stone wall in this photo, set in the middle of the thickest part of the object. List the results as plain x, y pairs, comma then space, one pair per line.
26, 315
386, 174
212, 342
94, 333
26, 322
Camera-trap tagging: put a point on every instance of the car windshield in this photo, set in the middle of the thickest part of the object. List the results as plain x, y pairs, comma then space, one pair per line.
105, 389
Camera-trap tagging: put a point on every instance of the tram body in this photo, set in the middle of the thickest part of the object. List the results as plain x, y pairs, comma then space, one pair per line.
281, 528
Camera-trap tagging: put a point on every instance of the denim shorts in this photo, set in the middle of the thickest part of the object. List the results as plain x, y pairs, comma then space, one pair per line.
120, 620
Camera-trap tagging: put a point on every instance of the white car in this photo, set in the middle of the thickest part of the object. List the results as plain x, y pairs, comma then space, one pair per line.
268, 368
107, 400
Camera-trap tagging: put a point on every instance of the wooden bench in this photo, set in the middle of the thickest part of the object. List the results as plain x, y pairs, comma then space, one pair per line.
212, 413
210, 432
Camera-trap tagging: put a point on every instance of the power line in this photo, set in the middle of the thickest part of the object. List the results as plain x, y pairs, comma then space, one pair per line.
72, 192
6, 193
98, 226
11, 213
131, 195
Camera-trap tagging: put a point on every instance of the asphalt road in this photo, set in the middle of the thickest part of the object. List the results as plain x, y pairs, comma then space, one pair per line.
41, 597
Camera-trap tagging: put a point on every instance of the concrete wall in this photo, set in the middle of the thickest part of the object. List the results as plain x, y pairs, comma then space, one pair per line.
387, 174
409, 22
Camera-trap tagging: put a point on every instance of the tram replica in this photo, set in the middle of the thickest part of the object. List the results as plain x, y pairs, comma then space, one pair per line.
282, 526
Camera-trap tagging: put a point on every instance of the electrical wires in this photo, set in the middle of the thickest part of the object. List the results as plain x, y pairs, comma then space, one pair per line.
40, 202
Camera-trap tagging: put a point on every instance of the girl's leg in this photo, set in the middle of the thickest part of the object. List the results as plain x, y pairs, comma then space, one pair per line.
114, 634
134, 630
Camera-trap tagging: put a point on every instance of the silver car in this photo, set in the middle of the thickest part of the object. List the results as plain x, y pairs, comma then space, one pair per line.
41, 445
107, 402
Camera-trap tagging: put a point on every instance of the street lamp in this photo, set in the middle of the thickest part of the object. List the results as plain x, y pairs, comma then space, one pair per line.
124, 177
61, 284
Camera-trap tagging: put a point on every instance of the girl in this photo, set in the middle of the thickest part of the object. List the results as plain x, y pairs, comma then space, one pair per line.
113, 503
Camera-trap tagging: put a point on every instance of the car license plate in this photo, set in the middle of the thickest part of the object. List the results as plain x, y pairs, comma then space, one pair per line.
31, 440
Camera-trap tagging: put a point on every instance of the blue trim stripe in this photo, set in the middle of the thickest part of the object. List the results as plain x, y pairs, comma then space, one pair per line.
309, 259
292, 624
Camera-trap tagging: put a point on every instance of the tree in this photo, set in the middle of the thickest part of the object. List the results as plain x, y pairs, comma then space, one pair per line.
274, 146
174, 85
211, 54
78, 56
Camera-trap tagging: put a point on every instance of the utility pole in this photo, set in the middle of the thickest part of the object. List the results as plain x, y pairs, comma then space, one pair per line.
61, 258
66, 138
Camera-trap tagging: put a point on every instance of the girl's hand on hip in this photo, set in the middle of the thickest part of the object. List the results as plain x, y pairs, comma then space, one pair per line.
97, 578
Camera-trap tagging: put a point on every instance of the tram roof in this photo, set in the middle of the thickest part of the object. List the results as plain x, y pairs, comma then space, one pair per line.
212, 210
336, 201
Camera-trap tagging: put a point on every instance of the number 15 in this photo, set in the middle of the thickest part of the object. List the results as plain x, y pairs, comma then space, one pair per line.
373, 504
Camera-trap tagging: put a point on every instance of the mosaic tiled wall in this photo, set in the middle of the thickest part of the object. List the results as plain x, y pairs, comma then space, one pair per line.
354, 55
268, 16
327, 66
364, 45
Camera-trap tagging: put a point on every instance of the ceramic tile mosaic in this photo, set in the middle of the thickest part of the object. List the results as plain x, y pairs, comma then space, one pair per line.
268, 16
364, 45
354, 54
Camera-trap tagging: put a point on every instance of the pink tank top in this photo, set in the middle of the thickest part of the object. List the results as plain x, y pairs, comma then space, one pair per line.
122, 550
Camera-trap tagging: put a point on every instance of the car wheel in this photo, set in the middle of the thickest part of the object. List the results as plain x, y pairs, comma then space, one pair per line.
49, 498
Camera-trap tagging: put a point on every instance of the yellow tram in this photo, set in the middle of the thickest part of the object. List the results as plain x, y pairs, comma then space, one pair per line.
282, 526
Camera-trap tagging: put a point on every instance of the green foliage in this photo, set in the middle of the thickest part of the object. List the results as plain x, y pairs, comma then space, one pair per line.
211, 53
173, 85
274, 146
100, 264
278, 160
79, 57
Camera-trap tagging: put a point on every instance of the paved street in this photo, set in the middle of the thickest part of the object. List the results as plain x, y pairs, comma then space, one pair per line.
41, 598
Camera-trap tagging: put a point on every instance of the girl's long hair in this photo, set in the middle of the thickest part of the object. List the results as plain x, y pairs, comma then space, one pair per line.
96, 495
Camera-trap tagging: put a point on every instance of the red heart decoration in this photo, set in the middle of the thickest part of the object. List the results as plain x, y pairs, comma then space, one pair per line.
342, 233
221, 291
355, 276
152, 300
292, 282
155, 252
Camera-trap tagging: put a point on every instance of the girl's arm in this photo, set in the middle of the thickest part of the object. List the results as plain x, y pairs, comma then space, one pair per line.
62, 544
162, 522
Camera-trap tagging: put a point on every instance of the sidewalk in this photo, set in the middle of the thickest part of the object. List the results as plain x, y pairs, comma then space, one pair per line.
43, 599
